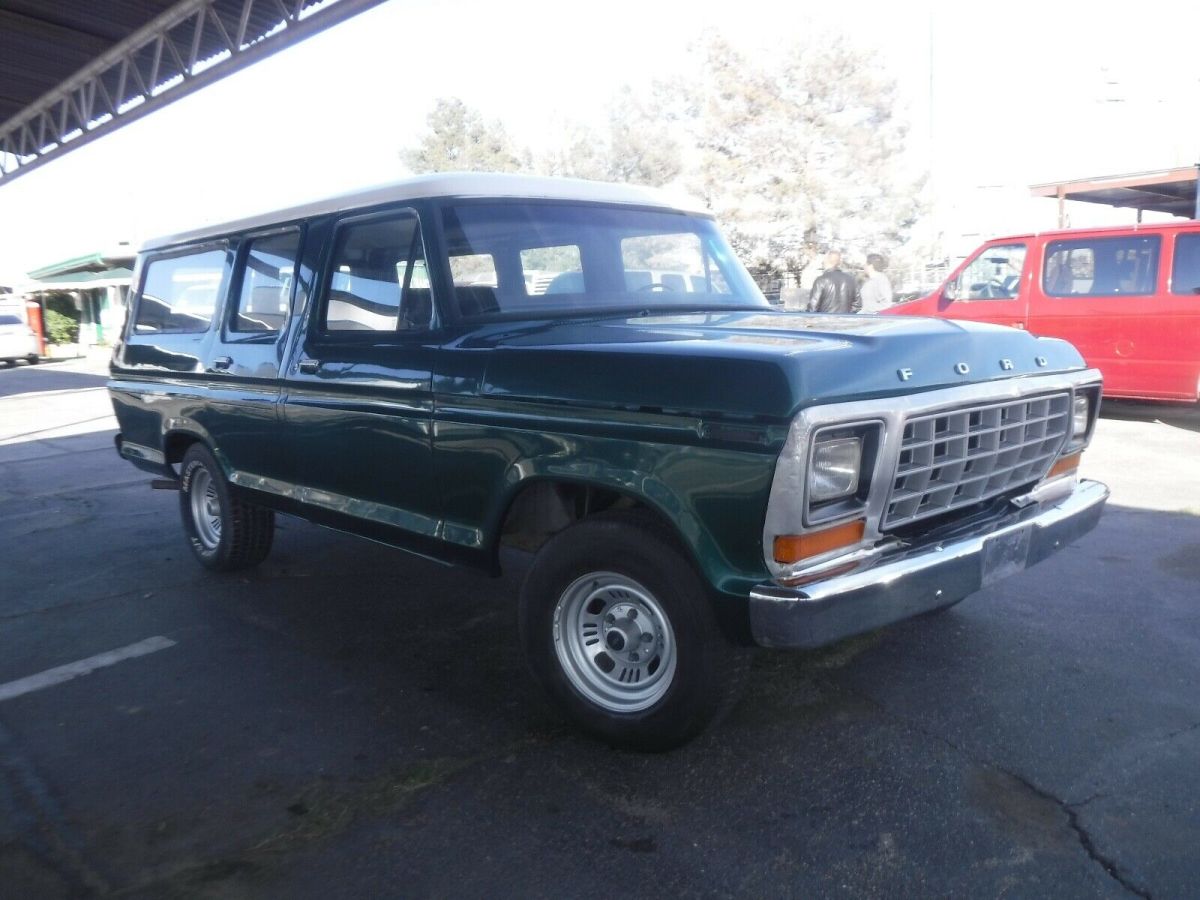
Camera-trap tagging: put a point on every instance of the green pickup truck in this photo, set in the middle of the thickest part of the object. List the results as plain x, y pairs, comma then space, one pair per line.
584, 371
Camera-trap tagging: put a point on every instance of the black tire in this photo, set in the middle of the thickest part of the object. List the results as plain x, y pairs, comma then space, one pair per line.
245, 531
708, 670
33, 360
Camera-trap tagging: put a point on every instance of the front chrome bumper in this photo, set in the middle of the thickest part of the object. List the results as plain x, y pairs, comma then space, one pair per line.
921, 579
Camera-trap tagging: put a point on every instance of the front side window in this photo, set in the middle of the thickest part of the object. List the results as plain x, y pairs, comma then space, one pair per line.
379, 282
578, 258
266, 287
180, 293
1101, 267
1185, 272
995, 274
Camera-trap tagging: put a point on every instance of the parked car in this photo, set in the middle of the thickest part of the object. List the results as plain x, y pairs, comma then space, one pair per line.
695, 471
1128, 298
17, 340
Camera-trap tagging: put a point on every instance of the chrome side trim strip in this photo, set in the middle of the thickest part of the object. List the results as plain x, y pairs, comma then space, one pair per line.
395, 516
140, 451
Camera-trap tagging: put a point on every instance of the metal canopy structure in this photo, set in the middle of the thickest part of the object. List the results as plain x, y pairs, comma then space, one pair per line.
1170, 191
73, 70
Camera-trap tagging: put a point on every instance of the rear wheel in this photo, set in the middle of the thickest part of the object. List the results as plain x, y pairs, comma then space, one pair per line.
225, 531
33, 359
619, 629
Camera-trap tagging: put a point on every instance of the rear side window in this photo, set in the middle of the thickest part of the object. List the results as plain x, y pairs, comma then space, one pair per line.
10, 320
1185, 273
180, 293
268, 270
1101, 267
379, 281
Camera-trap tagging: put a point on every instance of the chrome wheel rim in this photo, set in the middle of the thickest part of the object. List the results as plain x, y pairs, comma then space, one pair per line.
206, 508
614, 642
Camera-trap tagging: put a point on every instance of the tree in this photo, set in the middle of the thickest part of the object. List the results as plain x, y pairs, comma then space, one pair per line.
798, 155
459, 139
637, 147
795, 153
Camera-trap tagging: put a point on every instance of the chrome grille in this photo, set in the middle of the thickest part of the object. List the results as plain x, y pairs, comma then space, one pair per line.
959, 457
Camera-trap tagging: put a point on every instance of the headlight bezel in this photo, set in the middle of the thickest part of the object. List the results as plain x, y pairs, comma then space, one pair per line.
852, 502
1076, 442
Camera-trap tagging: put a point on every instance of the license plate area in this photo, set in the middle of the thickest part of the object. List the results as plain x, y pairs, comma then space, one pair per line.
1006, 554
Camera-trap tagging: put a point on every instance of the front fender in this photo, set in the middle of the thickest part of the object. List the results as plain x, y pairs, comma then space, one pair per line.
714, 499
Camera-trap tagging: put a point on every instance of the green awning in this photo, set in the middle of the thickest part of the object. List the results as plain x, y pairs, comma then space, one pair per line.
81, 280
67, 266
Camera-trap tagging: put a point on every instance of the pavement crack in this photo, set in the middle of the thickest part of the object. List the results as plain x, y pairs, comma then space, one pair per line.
1171, 735
30, 805
159, 589
1080, 804
1085, 839
1070, 810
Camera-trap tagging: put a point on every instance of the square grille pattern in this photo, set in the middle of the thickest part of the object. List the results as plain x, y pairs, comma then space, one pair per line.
954, 459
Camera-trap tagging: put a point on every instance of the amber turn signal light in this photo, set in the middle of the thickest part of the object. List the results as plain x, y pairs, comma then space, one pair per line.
790, 548
1065, 465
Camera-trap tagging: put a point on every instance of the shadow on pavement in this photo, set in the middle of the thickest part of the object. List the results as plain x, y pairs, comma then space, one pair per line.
347, 719
23, 379
1177, 415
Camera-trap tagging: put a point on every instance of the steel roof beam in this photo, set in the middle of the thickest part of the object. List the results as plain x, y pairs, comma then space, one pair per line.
193, 44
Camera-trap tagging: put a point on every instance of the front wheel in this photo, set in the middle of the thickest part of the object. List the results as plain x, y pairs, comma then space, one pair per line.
619, 629
225, 532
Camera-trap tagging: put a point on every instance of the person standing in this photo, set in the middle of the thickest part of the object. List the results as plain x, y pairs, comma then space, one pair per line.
834, 291
876, 289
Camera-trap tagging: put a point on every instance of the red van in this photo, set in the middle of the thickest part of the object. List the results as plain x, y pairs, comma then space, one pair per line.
1128, 298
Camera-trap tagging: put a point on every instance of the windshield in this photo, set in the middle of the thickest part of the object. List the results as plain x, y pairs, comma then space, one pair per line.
537, 259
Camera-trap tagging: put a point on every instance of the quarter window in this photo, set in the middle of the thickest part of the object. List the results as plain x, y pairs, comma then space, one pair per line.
1101, 267
266, 289
995, 274
179, 293
1185, 273
379, 281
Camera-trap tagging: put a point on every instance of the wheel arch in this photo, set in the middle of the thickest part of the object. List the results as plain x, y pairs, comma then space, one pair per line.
518, 514
178, 436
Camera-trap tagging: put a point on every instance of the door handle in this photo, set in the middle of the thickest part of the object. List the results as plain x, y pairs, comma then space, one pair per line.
309, 366
222, 362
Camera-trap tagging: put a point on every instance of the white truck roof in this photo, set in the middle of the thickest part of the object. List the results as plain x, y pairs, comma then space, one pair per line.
450, 185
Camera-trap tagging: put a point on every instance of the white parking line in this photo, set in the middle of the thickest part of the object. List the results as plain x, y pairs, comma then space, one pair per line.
59, 674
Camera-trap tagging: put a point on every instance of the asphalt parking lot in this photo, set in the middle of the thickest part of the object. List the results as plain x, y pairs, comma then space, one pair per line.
347, 721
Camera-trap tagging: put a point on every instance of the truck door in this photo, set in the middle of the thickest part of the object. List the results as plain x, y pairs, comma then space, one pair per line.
358, 401
991, 287
243, 361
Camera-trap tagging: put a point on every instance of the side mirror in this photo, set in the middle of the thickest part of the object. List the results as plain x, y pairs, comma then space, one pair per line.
950, 292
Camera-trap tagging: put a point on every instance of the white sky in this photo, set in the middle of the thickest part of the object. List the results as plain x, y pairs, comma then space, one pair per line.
1021, 92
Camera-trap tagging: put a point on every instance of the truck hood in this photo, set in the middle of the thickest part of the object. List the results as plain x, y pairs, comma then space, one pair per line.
762, 363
